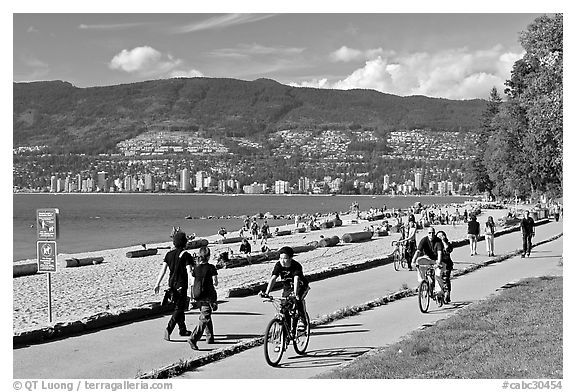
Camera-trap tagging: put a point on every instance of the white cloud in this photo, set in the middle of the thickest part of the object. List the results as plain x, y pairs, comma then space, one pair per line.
245, 50
147, 61
455, 74
346, 54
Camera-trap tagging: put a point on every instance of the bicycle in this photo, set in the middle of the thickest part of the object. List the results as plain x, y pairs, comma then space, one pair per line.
284, 328
426, 291
399, 255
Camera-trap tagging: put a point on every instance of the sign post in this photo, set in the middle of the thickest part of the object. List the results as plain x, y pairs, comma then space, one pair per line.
46, 250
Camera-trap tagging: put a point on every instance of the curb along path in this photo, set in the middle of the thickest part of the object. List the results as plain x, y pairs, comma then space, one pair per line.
187, 365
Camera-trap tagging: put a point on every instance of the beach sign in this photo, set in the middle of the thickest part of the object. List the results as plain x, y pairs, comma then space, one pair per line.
46, 251
47, 223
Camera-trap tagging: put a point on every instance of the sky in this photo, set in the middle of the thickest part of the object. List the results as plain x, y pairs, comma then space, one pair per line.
447, 55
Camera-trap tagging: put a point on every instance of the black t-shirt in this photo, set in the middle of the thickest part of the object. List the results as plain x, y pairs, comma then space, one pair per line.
287, 274
203, 284
527, 225
245, 247
474, 227
178, 275
430, 248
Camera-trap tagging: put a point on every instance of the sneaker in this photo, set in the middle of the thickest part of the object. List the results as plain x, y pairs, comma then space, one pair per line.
193, 345
185, 333
471, 254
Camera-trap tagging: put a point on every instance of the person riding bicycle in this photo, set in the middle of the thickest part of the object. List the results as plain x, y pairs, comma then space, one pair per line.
429, 252
293, 279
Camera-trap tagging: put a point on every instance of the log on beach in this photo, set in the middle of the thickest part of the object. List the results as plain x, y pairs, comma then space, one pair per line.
300, 230
142, 252
303, 248
357, 237
230, 240
332, 241
73, 262
195, 244
282, 232
24, 269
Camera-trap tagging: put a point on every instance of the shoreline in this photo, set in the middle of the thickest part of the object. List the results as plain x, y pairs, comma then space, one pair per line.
121, 283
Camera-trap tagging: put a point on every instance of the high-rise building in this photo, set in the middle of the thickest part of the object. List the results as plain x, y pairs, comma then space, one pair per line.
102, 181
53, 183
386, 182
185, 180
200, 181
418, 180
149, 181
281, 187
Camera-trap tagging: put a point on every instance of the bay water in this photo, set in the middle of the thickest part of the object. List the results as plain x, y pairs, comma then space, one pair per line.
91, 222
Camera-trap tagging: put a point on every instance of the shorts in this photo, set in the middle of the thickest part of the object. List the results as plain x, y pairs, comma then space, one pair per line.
472, 237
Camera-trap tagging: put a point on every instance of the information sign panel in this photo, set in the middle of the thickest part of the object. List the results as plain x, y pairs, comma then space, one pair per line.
47, 223
46, 251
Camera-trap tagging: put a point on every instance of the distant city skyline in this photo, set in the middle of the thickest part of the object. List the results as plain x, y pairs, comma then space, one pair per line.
455, 56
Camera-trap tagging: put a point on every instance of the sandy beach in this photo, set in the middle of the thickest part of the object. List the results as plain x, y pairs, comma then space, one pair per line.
122, 283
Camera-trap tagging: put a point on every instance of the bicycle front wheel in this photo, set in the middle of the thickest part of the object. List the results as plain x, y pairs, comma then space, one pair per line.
302, 336
424, 296
274, 342
397, 259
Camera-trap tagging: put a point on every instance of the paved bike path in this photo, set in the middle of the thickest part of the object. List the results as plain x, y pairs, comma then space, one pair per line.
128, 350
334, 344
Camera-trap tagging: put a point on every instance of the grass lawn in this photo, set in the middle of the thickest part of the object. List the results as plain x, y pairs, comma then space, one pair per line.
516, 334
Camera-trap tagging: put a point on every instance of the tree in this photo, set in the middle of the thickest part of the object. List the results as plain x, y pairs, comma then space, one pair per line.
524, 150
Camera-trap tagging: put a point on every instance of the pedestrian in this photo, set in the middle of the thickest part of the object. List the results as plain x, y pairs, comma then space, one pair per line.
527, 228
245, 247
204, 293
410, 236
254, 231
489, 229
180, 264
265, 233
448, 266
473, 233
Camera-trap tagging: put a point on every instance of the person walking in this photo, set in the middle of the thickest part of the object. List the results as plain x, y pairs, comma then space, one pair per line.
448, 266
489, 229
204, 293
473, 233
410, 238
527, 227
180, 263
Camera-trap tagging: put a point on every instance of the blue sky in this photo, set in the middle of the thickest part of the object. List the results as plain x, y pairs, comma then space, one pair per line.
456, 56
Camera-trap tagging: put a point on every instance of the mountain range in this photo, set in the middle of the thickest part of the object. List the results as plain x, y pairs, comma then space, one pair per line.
95, 119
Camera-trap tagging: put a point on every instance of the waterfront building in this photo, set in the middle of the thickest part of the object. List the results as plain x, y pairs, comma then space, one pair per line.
418, 180
200, 181
255, 188
281, 187
102, 181
185, 180
53, 183
386, 183
149, 181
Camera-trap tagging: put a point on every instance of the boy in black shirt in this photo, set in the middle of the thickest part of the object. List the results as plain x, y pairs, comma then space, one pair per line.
204, 292
292, 276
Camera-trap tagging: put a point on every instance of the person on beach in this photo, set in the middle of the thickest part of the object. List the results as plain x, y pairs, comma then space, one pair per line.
489, 229
473, 233
204, 293
448, 265
429, 252
527, 227
265, 233
293, 279
254, 231
180, 263
245, 247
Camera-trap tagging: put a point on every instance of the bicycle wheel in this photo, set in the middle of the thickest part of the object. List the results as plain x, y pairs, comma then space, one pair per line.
302, 336
274, 342
423, 296
397, 257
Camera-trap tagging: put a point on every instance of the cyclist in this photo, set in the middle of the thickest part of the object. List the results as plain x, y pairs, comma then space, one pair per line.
429, 252
293, 279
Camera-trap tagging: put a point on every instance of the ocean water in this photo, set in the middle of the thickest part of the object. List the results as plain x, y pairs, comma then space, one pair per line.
90, 222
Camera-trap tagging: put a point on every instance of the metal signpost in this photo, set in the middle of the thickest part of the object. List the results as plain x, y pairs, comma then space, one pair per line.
46, 250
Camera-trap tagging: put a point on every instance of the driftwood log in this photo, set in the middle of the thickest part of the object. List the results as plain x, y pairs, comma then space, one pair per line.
332, 241
357, 237
195, 244
142, 252
73, 262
